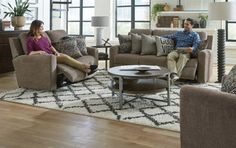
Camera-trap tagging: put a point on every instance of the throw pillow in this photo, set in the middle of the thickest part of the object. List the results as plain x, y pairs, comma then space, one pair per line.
68, 45
136, 43
229, 82
125, 43
81, 44
148, 45
203, 45
164, 45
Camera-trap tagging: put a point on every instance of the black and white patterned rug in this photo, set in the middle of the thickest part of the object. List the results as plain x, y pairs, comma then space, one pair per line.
92, 97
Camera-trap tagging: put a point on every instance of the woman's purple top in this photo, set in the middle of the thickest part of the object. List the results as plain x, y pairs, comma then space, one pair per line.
41, 44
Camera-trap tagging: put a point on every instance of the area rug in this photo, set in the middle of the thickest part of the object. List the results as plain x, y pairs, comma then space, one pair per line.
92, 97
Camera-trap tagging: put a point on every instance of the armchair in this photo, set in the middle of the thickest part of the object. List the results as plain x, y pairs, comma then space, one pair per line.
207, 118
40, 71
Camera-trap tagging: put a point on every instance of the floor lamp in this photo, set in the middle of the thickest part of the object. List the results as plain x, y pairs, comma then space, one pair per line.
99, 22
221, 11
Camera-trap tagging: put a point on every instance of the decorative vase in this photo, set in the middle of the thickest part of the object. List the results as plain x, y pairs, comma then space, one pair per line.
203, 23
166, 7
18, 22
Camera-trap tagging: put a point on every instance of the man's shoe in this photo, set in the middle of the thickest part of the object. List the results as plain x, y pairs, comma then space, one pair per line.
173, 77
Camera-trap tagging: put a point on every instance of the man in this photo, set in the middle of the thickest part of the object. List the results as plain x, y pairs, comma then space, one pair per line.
187, 41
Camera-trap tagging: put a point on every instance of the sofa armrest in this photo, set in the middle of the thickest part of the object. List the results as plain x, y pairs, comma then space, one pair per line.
36, 71
204, 69
207, 118
93, 52
114, 50
16, 48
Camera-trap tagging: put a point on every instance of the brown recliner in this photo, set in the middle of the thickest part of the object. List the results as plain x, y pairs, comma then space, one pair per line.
40, 71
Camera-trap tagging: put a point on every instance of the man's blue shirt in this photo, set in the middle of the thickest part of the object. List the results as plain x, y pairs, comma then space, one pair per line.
185, 39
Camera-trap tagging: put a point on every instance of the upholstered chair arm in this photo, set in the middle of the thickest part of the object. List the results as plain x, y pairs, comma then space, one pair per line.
204, 69
93, 52
16, 48
36, 71
207, 118
114, 50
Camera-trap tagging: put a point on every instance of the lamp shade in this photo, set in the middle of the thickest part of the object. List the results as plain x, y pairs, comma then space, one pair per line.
222, 11
100, 21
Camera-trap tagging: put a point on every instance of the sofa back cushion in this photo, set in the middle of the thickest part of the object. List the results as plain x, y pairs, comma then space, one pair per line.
136, 43
56, 35
125, 43
157, 32
148, 45
141, 31
203, 35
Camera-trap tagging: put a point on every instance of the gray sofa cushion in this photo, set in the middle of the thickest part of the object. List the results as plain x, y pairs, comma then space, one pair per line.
68, 45
148, 45
81, 44
164, 45
125, 43
126, 58
136, 43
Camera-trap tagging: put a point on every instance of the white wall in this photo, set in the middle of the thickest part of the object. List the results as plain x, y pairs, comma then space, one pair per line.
103, 8
44, 13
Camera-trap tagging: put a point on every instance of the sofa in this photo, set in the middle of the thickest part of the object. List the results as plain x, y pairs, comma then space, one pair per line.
41, 71
198, 68
207, 118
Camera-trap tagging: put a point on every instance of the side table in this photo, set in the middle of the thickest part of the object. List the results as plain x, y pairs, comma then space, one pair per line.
102, 55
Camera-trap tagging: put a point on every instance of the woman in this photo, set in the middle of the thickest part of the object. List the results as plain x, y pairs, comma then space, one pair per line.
39, 44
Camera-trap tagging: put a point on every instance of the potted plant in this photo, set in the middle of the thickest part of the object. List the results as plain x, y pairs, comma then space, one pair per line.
156, 9
203, 21
17, 13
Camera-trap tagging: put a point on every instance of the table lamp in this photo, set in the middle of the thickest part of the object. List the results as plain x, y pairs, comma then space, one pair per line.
221, 11
99, 22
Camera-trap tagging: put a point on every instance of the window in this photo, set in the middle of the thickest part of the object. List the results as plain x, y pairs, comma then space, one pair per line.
230, 29
78, 16
132, 14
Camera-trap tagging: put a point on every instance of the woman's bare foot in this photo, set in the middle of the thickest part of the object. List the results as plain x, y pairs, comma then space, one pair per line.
86, 68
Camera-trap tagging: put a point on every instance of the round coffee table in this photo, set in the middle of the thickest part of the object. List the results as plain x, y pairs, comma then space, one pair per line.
131, 79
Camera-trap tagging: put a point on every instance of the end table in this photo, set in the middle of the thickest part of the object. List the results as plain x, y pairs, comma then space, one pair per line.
102, 55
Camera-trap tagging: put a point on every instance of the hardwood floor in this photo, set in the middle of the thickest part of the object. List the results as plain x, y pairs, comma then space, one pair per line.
26, 126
